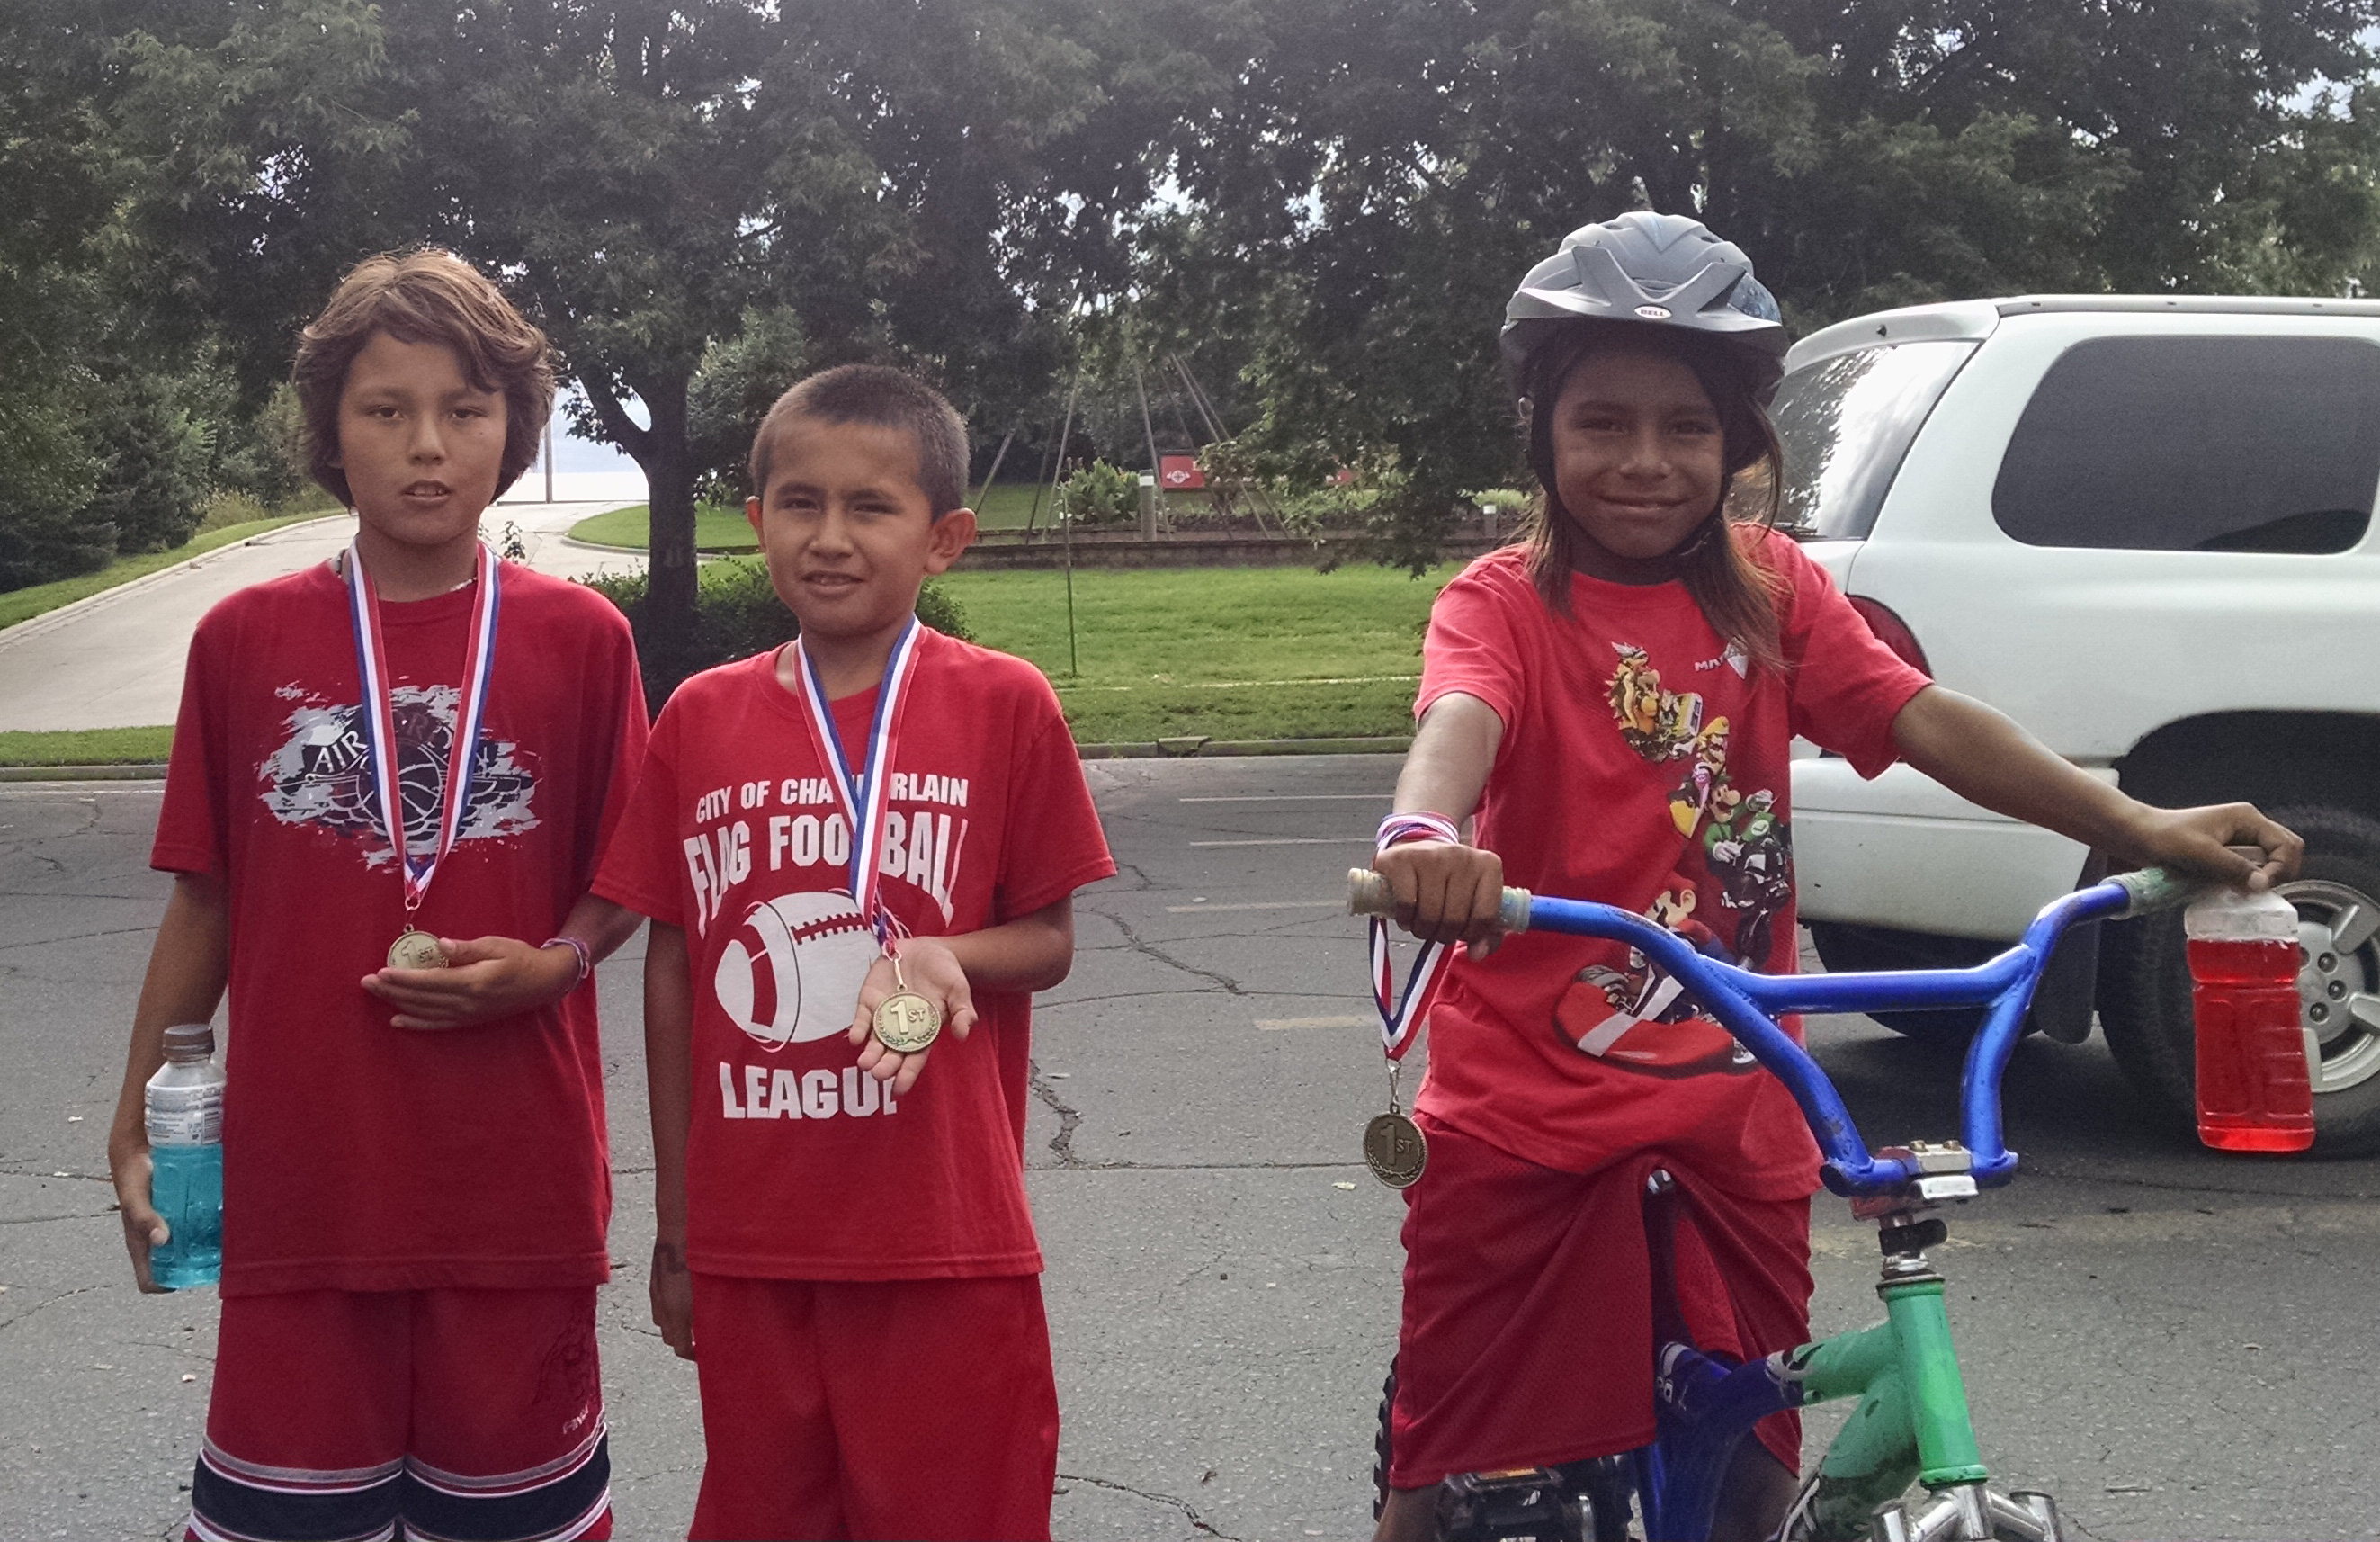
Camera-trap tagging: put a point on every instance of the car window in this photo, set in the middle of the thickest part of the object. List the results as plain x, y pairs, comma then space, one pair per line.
2197, 444
1846, 422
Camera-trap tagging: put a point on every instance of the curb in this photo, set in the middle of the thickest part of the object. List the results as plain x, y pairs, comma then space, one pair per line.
36, 625
1204, 747
1195, 745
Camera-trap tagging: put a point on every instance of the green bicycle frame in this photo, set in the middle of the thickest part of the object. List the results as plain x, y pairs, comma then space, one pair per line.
1912, 1423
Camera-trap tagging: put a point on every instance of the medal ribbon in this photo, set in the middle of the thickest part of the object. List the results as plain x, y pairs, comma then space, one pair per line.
1400, 1014
380, 717
865, 795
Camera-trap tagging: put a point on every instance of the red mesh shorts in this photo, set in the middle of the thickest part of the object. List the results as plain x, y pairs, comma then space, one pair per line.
462, 1413
901, 1408
1527, 1338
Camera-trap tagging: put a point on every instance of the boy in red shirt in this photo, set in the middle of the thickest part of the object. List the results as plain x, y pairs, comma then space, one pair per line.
414, 1202
844, 1249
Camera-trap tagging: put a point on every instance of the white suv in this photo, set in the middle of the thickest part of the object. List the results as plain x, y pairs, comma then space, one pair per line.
2143, 526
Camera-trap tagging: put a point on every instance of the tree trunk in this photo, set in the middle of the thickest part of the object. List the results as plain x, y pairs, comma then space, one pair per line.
666, 637
669, 481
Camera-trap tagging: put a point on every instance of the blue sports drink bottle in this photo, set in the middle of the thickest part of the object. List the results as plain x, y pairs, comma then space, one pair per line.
184, 1107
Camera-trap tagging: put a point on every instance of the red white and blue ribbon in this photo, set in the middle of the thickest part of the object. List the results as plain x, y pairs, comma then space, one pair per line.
1400, 1014
864, 794
380, 718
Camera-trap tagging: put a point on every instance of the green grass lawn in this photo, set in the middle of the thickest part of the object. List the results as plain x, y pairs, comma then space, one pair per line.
23, 604
1234, 654
717, 528
87, 746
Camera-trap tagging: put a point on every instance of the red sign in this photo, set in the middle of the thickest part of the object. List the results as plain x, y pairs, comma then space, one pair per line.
1178, 473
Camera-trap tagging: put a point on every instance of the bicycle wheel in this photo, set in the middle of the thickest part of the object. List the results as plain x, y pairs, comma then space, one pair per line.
1381, 1442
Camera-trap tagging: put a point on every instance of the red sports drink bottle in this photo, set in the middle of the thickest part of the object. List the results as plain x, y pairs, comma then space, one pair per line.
2255, 1091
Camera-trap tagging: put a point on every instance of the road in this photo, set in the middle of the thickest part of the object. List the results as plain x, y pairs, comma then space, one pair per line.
2175, 1344
114, 661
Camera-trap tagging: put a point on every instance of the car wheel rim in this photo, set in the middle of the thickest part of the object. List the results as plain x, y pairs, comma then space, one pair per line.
2339, 986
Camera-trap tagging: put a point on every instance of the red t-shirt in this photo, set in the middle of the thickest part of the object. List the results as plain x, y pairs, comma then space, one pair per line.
1644, 765
358, 1156
799, 1165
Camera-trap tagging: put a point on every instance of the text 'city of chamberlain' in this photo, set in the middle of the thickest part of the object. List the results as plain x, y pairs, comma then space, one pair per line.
779, 1092
920, 847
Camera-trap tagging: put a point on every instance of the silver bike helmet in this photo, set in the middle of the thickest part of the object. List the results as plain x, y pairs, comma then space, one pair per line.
1647, 270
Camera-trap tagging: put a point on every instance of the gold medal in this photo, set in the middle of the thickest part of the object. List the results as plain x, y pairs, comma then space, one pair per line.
1395, 1150
416, 950
906, 1022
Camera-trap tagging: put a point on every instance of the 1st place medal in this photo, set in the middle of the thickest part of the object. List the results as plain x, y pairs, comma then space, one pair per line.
906, 1022
1394, 1147
416, 949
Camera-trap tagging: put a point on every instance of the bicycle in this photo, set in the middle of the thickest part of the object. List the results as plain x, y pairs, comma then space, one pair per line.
1913, 1425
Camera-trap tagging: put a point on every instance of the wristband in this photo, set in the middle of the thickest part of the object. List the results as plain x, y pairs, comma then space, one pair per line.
1417, 825
579, 950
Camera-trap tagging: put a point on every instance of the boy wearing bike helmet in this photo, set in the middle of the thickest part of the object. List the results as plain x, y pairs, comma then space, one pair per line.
1614, 700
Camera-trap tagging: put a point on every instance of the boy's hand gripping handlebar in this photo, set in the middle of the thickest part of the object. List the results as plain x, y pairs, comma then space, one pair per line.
1747, 1006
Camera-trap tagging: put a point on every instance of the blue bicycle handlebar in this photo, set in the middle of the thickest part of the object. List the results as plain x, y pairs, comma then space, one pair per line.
1745, 1004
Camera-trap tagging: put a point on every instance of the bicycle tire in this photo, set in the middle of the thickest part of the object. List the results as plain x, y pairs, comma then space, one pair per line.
1381, 1446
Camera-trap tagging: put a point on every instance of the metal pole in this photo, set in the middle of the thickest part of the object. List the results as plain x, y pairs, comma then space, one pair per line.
549, 460
1148, 432
1073, 664
998, 456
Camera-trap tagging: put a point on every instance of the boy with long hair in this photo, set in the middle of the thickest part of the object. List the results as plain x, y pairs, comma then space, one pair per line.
387, 767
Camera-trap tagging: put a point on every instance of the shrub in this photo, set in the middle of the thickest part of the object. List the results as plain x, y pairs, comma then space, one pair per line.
1100, 494
156, 457
736, 615
46, 474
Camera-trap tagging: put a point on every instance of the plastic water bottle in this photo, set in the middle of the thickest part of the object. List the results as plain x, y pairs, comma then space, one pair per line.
184, 1107
2255, 1089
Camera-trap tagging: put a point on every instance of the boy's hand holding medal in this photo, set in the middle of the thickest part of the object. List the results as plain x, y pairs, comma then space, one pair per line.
907, 1001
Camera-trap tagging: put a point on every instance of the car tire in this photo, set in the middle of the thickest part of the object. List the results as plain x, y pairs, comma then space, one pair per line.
1845, 949
2145, 987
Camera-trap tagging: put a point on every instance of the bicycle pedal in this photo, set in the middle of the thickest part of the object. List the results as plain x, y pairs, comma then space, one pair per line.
1525, 1504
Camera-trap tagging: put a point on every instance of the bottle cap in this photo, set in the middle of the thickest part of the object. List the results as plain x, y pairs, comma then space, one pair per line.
186, 1041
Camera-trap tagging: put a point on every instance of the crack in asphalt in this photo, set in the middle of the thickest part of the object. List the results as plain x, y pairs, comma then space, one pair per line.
1151, 950
52, 1219
1063, 1143
78, 937
1189, 1512
46, 1305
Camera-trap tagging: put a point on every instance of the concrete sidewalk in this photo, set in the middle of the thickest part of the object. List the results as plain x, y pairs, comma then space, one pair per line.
114, 661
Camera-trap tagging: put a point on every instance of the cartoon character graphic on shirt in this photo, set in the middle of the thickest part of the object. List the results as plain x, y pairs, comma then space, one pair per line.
1706, 787
320, 775
1749, 852
1737, 862
1659, 723
1640, 1019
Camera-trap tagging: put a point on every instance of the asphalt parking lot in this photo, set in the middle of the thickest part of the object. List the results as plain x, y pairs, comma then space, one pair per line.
2176, 1344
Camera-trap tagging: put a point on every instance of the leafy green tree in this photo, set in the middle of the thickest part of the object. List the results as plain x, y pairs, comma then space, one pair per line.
1354, 213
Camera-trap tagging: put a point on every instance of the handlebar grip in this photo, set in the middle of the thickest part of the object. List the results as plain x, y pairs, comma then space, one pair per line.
2154, 889
1368, 895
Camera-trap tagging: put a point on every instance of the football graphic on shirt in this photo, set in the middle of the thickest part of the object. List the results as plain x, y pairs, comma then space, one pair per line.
791, 971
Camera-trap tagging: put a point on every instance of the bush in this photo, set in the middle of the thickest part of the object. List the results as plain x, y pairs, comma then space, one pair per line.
155, 462
736, 615
46, 474
1100, 494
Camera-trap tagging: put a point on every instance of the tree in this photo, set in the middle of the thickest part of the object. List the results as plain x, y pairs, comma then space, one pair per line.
1385, 169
